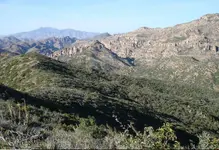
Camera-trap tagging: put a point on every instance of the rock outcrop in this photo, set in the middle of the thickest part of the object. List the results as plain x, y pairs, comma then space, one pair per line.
186, 53
196, 38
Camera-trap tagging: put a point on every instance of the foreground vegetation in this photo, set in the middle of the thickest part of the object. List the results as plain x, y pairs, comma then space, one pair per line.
47, 102
24, 126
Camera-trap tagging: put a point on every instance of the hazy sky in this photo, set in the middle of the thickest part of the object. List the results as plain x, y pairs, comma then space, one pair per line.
113, 16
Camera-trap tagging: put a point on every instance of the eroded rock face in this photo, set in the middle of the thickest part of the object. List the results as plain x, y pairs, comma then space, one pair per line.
185, 53
196, 38
76, 48
211, 17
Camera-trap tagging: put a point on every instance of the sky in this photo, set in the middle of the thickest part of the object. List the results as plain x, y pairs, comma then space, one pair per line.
113, 16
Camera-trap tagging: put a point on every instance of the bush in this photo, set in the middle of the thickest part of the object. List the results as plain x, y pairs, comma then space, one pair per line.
206, 141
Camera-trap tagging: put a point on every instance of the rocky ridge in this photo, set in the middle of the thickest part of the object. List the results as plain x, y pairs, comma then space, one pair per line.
197, 38
46, 47
185, 53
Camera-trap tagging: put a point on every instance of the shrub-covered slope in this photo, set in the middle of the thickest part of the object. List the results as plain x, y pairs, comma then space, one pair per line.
113, 99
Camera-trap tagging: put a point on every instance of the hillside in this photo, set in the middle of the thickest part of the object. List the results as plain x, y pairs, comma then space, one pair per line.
94, 55
152, 87
185, 53
46, 47
75, 89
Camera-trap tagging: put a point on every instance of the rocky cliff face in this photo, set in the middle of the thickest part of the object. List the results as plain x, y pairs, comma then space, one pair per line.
198, 38
92, 55
186, 53
76, 48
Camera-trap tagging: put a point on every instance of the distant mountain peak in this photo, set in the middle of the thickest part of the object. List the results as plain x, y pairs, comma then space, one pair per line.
47, 32
47, 28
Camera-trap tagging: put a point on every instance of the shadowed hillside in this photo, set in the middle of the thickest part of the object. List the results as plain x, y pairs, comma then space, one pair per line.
85, 91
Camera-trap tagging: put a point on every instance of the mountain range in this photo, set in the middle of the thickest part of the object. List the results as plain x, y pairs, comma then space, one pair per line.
47, 46
185, 53
44, 40
48, 32
152, 87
